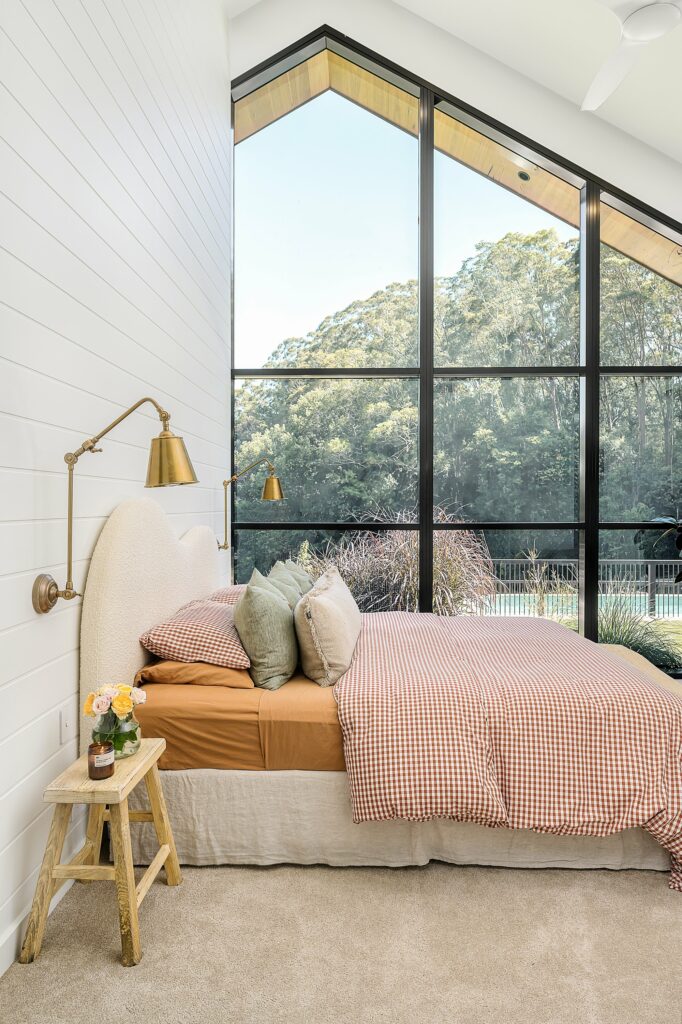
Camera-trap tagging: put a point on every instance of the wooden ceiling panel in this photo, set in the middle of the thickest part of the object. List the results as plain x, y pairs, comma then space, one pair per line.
642, 244
279, 97
327, 70
493, 161
374, 94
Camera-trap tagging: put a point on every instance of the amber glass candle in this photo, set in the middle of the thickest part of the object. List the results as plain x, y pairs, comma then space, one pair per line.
100, 760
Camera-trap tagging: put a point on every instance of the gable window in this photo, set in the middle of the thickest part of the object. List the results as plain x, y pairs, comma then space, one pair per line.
462, 356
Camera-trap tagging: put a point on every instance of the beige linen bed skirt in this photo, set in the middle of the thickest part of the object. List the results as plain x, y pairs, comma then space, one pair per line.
304, 817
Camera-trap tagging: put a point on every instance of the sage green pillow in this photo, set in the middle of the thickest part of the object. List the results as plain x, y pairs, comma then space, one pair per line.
286, 583
265, 624
299, 574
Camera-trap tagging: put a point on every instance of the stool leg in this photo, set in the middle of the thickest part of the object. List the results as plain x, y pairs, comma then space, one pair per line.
164, 833
94, 833
33, 939
125, 884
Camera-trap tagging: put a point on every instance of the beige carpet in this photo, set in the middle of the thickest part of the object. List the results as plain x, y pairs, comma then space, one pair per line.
346, 946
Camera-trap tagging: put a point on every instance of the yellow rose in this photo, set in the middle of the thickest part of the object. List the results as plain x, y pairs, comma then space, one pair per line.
122, 688
87, 707
122, 705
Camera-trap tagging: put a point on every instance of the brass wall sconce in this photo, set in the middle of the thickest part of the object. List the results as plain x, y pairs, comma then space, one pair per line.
272, 490
169, 464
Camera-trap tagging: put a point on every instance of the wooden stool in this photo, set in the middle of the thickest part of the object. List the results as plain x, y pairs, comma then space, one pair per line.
74, 787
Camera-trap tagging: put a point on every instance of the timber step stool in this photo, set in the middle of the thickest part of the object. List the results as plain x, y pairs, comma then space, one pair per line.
107, 800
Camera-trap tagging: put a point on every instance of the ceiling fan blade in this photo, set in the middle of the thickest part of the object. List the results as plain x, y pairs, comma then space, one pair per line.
611, 74
623, 8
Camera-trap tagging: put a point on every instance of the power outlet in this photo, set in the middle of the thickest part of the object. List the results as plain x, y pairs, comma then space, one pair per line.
67, 726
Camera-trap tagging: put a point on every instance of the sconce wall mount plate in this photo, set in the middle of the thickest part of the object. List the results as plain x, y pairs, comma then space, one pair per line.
45, 592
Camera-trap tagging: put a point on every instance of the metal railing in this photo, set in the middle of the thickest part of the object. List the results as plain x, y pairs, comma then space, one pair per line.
549, 586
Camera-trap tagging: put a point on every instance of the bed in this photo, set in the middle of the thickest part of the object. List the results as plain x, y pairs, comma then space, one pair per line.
279, 792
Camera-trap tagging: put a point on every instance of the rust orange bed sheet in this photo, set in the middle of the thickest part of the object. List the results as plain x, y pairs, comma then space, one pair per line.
295, 727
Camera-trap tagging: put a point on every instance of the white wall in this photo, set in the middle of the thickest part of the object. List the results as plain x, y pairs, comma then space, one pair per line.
115, 205
472, 76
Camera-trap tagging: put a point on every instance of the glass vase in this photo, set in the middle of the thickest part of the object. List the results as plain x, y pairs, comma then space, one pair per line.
124, 733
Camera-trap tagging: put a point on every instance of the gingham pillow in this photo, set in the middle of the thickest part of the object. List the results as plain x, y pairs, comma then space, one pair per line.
228, 595
199, 631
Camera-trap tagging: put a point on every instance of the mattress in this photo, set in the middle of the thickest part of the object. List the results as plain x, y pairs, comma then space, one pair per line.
293, 728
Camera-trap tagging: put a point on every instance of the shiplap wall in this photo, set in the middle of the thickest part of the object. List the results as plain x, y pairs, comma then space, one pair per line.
115, 233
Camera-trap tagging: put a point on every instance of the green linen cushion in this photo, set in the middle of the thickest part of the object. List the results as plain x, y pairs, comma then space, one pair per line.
299, 574
265, 624
286, 583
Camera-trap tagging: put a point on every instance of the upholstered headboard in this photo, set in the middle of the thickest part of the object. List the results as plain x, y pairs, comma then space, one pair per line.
140, 572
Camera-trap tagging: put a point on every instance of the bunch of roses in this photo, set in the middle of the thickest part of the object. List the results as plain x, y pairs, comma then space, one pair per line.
120, 699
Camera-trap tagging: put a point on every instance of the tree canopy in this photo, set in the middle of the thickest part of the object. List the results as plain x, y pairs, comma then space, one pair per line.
505, 449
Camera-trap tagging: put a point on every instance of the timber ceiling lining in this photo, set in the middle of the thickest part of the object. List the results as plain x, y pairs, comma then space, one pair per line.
330, 71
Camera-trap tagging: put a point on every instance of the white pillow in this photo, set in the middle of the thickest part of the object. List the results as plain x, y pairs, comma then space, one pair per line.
328, 623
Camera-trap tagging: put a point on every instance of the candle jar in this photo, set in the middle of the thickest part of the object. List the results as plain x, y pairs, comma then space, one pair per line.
101, 760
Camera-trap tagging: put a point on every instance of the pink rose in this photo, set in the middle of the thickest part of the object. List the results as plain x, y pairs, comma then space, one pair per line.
101, 705
138, 694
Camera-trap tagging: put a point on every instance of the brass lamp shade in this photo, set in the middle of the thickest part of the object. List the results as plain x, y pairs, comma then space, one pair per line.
169, 463
272, 489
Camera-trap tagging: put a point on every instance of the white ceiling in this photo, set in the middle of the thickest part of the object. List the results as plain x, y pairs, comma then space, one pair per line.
560, 44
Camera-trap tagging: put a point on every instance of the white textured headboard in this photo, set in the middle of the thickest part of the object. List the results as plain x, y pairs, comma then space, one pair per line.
140, 573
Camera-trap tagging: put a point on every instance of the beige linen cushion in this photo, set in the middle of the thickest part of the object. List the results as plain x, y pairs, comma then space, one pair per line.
265, 624
328, 624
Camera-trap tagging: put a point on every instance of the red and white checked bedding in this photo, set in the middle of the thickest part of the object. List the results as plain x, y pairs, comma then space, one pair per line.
508, 722
228, 595
199, 631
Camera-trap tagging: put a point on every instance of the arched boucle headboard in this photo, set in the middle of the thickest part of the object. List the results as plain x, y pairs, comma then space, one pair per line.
140, 573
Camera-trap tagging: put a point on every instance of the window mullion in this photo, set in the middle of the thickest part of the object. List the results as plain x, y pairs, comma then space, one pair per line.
589, 408
426, 353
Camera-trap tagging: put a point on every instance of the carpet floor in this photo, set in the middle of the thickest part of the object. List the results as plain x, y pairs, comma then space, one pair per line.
320, 945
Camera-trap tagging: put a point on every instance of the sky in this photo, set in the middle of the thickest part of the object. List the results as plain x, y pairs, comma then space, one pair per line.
326, 212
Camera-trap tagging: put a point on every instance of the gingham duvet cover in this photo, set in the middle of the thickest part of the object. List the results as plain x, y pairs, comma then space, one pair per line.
508, 722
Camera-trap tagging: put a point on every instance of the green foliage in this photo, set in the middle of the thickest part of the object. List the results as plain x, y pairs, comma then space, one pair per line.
340, 446
619, 624
515, 303
114, 730
382, 330
503, 449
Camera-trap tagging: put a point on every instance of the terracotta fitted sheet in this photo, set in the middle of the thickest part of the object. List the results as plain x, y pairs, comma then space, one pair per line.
295, 727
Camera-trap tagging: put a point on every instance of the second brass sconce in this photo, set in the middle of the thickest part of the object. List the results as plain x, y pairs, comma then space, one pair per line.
272, 490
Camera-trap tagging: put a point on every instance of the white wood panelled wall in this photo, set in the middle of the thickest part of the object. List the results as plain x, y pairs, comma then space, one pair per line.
115, 234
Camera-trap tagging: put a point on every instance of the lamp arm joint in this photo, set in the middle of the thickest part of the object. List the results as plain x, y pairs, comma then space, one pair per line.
258, 462
89, 446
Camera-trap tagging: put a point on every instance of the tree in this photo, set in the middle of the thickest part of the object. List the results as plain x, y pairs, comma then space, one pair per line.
504, 449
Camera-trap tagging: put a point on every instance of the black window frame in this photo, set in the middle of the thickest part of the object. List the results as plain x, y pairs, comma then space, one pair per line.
589, 371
